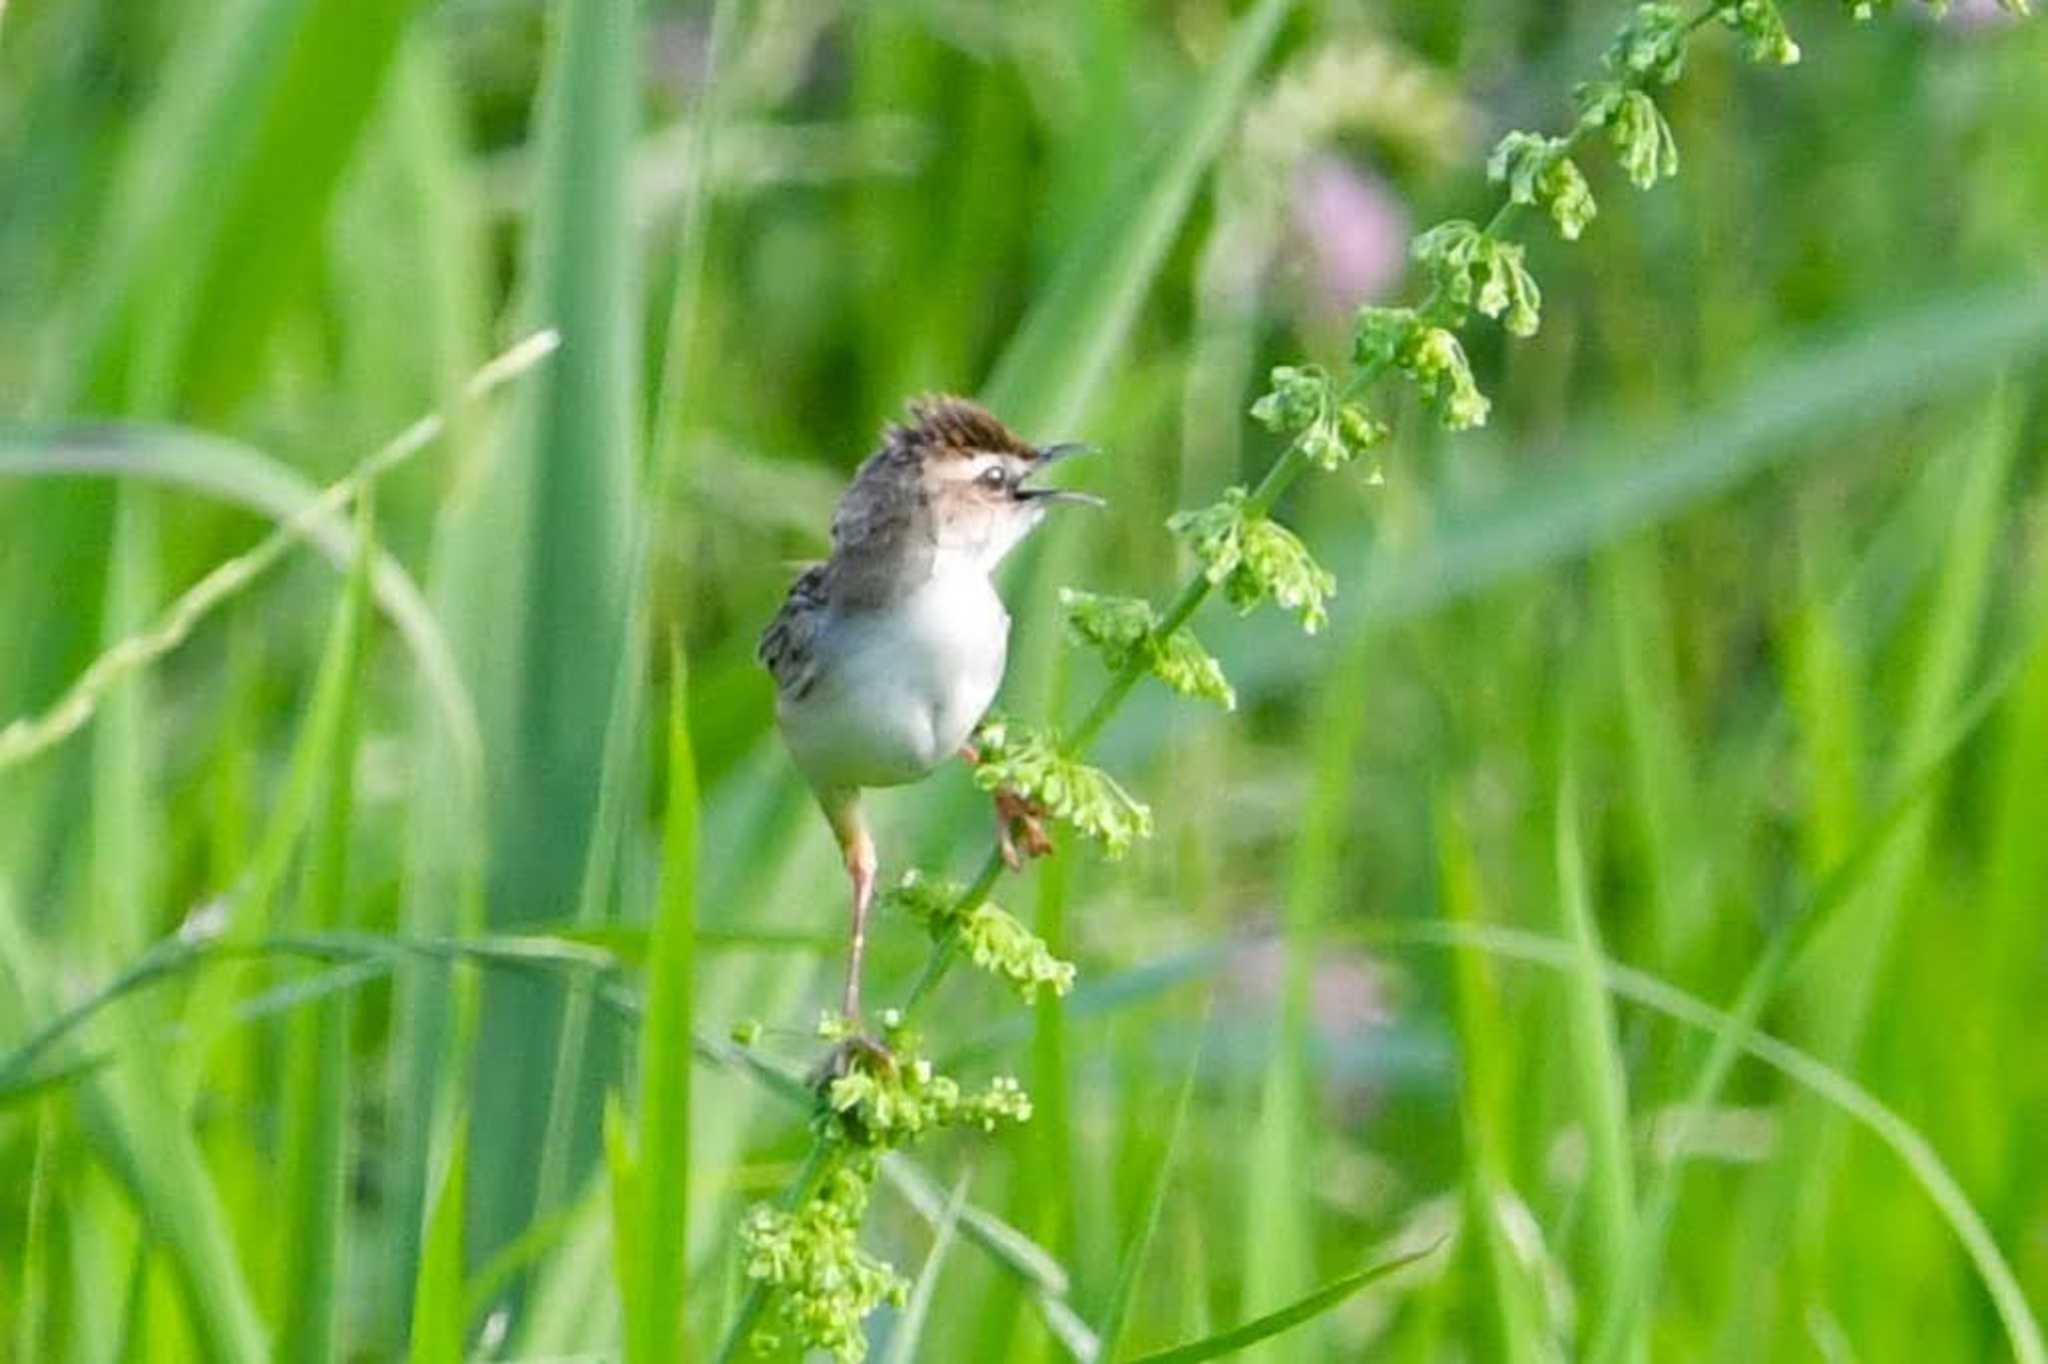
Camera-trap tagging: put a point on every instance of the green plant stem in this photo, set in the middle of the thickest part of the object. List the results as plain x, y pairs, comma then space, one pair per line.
1192, 594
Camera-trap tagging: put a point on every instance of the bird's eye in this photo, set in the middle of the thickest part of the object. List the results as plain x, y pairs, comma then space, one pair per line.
995, 476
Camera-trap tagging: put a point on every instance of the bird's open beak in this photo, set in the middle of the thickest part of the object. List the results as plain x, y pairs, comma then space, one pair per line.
1052, 454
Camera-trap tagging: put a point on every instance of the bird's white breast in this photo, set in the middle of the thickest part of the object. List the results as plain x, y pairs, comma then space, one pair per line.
901, 687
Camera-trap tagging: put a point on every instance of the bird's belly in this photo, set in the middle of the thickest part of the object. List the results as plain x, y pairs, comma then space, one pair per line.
904, 688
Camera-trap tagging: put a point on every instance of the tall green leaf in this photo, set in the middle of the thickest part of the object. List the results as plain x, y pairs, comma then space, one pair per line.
533, 578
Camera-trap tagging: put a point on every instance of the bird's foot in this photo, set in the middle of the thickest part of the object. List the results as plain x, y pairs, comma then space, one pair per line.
1018, 817
856, 1051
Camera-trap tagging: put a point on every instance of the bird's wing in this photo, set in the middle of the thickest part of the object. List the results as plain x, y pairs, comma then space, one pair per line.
882, 533
787, 647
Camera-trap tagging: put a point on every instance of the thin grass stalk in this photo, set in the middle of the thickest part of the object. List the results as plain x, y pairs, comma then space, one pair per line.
1278, 1211
316, 1097
909, 1332
1599, 1083
1116, 1315
1508, 1327
27, 736
600, 869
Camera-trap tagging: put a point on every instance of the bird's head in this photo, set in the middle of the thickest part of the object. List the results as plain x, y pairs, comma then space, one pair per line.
980, 478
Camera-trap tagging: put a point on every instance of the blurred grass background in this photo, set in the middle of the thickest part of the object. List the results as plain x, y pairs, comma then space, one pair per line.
1716, 653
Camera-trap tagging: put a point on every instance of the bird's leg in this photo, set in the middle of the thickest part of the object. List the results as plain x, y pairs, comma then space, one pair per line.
1015, 814
858, 847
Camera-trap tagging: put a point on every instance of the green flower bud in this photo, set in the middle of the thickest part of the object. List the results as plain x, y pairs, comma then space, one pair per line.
1359, 429
1509, 291
1126, 631
1296, 399
1255, 559
1765, 38
1642, 140
1650, 45
1538, 170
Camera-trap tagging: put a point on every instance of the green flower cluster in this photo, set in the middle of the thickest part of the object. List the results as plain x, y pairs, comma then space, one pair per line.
1127, 631
1254, 558
821, 1284
1539, 171
1642, 138
995, 941
1303, 403
1034, 765
1470, 269
1403, 339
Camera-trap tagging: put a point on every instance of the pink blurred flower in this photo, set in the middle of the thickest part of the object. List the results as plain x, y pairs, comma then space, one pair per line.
1976, 14
1355, 228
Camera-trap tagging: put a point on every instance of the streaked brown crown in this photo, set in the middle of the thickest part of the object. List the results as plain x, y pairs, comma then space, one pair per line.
942, 425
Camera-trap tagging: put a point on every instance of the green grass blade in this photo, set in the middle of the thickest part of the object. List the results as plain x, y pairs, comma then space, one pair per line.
1324, 1299
316, 1089
1031, 1263
909, 1329
1598, 1084
427, 290
629, 1224
1138, 1241
536, 578
692, 211
126, 834
654, 1326
439, 1311
1507, 1327
1867, 878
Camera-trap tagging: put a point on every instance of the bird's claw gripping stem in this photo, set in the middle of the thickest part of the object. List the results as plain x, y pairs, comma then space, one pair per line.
1016, 815
847, 1055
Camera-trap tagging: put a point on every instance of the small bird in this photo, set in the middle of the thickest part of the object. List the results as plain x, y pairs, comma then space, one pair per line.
887, 655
